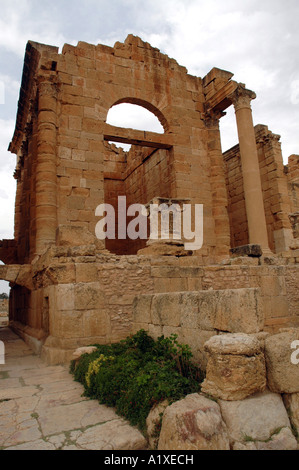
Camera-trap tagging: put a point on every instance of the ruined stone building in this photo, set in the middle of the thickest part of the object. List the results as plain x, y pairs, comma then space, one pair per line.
70, 289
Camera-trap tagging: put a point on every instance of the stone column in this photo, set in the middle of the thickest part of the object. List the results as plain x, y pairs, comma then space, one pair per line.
18, 178
257, 227
46, 175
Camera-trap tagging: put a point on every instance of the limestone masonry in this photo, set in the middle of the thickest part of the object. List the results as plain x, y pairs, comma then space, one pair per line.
69, 289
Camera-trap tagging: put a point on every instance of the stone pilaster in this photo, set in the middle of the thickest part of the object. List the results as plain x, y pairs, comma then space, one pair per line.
217, 178
46, 185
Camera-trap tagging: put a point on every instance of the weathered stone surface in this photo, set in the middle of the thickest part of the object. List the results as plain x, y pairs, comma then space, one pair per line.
282, 440
282, 374
154, 423
194, 423
85, 350
231, 310
142, 308
236, 367
247, 250
239, 310
39, 444
166, 309
160, 248
68, 235
54, 415
291, 402
114, 435
233, 344
255, 418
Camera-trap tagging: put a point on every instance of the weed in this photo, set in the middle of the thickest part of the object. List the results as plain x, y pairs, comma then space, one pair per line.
138, 373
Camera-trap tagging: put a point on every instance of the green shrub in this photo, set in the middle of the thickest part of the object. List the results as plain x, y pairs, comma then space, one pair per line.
137, 373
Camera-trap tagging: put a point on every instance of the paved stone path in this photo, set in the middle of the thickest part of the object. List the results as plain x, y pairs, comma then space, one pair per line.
41, 408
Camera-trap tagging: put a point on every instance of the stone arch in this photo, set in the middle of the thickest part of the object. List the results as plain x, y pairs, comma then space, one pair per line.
146, 105
20, 274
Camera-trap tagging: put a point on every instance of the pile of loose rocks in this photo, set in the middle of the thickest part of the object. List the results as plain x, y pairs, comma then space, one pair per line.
248, 401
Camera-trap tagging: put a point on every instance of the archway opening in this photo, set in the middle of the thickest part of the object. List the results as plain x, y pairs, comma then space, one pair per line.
4, 303
133, 116
135, 166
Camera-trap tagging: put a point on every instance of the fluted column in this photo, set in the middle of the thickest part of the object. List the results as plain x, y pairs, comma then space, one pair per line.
46, 175
256, 219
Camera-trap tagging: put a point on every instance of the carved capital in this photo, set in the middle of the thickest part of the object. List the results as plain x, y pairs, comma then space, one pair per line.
46, 87
212, 116
242, 97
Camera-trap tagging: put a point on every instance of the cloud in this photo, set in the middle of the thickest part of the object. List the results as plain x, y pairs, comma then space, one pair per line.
23, 20
257, 41
7, 197
134, 117
7, 160
8, 184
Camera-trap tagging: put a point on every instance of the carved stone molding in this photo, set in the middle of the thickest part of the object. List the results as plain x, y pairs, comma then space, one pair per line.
46, 87
212, 116
241, 97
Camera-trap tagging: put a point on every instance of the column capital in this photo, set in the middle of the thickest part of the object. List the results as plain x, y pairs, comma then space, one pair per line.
46, 86
242, 97
212, 116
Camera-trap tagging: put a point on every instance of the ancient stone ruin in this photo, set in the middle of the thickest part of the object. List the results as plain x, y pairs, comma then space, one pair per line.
68, 288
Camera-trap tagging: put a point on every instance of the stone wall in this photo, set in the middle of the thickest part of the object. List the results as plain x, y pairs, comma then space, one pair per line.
82, 296
293, 181
263, 299
4, 312
139, 174
277, 202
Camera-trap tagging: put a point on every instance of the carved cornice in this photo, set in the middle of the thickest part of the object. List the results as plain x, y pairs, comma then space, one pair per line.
268, 138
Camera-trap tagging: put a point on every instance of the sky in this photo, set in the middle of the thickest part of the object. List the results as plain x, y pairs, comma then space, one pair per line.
257, 40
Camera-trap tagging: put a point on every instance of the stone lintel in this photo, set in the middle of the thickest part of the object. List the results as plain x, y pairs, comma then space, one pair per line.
216, 73
221, 100
135, 137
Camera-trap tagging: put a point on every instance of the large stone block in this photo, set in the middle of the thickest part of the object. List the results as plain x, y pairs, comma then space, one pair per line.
65, 297
88, 296
236, 367
238, 310
194, 423
142, 309
291, 402
282, 373
95, 323
154, 423
231, 310
282, 439
68, 235
258, 420
166, 309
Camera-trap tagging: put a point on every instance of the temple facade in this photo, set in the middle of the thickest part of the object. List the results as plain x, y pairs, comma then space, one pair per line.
71, 289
